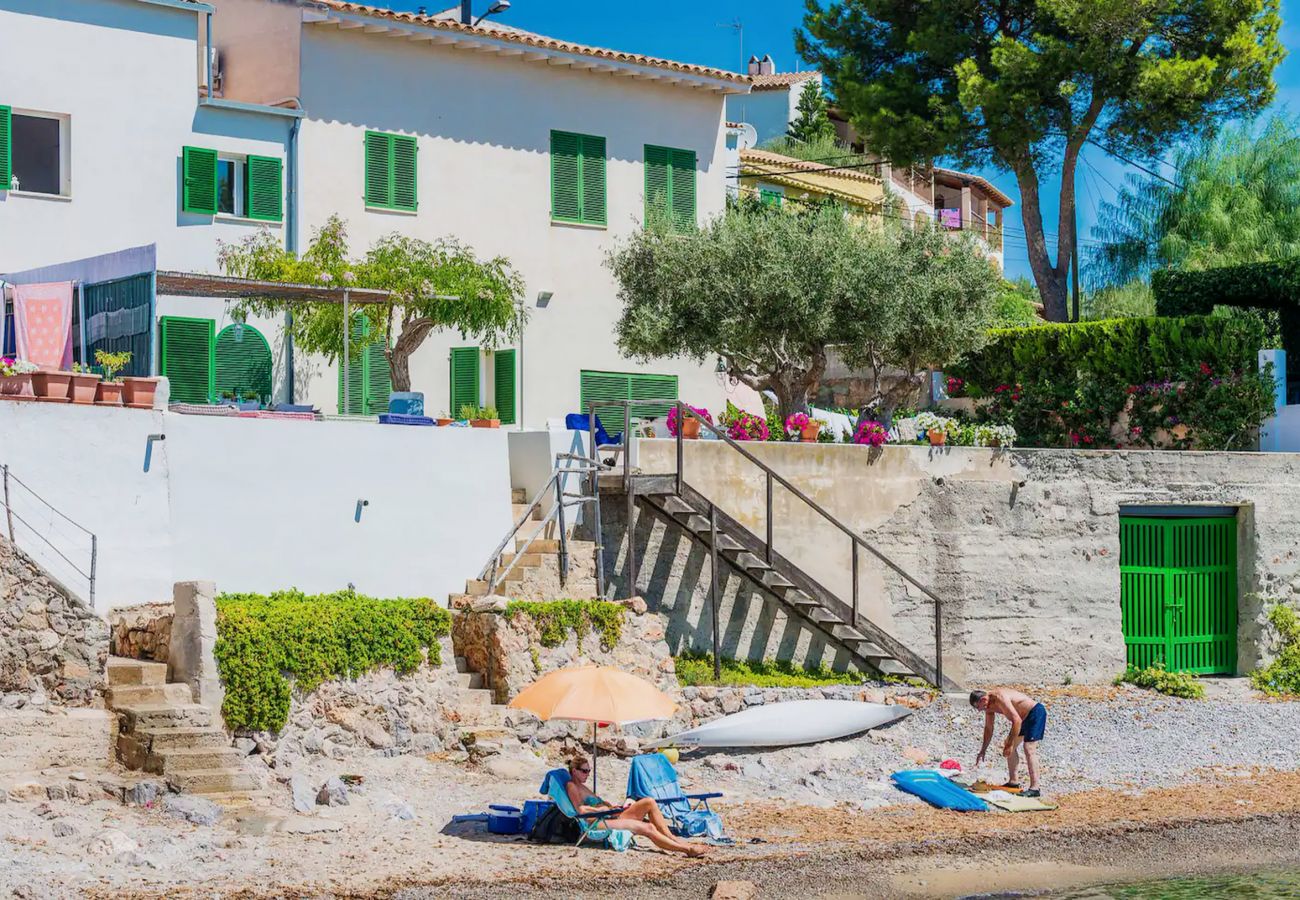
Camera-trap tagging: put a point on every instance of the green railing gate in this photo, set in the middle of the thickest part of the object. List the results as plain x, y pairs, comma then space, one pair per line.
1179, 592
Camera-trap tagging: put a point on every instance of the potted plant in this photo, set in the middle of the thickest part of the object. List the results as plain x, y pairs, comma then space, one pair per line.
690, 425
16, 378
747, 427
111, 389
248, 401
870, 433
444, 419
936, 428
85, 384
485, 417
52, 385
805, 426
139, 390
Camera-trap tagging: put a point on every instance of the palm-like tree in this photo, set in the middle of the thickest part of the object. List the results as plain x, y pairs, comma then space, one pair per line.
1237, 200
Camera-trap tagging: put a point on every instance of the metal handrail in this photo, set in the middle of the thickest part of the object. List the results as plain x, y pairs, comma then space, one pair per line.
857, 540
10, 515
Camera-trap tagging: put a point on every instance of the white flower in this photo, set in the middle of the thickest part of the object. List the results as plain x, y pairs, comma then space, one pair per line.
349, 276
326, 277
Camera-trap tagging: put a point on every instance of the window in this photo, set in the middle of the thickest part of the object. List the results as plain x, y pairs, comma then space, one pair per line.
34, 155
464, 379
232, 185
390, 181
577, 178
653, 395
370, 377
769, 196
670, 185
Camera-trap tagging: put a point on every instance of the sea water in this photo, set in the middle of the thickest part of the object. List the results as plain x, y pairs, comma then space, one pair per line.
1256, 886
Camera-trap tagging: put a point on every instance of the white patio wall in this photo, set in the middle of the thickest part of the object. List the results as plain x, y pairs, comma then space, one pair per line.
254, 505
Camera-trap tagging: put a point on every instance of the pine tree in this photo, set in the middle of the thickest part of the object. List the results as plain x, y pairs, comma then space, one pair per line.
812, 123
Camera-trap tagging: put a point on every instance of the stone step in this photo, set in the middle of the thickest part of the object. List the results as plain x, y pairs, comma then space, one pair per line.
178, 715
674, 504
529, 560
147, 695
161, 740
476, 588
198, 759
240, 799
777, 582
475, 699
517, 511
123, 671
822, 616
471, 680
726, 542
540, 545
208, 781
518, 495
800, 599
747, 560
462, 664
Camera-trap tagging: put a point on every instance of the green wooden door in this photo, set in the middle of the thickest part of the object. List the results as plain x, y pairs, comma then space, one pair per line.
1179, 592
186, 357
243, 362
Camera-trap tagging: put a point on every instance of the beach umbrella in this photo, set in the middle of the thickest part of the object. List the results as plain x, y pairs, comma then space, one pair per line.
595, 694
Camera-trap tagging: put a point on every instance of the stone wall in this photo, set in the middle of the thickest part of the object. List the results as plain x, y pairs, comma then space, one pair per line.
52, 646
141, 632
707, 702
1023, 546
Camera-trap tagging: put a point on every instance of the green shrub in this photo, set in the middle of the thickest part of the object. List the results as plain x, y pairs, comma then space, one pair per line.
556, 618
1158, 678
1190, 383
697, 668
1281, 677
1261, 285
262, 641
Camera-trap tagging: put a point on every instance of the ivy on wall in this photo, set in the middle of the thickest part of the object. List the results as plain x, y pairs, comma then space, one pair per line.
556, 619
263, 641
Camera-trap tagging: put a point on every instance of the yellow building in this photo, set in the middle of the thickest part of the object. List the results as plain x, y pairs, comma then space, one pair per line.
775, 178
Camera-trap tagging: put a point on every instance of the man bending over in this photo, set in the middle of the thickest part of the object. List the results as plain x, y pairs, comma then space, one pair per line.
1028, 720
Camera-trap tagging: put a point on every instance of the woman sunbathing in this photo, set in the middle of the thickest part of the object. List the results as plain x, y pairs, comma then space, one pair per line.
633, 816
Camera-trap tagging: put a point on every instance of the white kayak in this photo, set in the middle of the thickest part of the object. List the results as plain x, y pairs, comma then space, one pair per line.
789, 723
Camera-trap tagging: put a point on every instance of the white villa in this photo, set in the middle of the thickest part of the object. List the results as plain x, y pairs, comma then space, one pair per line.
169, 126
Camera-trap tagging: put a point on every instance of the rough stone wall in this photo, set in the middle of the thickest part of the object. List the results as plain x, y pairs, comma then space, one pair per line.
141, 632
379, 712
52, 646
510, 654
1023, 546
707, 702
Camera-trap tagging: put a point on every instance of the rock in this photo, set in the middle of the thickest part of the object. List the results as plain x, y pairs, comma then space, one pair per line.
306, 825
245, 746
134, 858
26, 791
143, 793
636, 605
304, 798
398, 810
916, 755
332, 793
44, 811
512, 767
56, 791
730, 703
63, 828
873, 695
110, 842
734, 890
198, 810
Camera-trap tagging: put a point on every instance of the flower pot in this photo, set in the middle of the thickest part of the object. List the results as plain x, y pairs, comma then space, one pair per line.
52, 387
485, 423
937, 438
109, 393
84, 387
444, 422
17, 387
690, 428
139, 392
808, 434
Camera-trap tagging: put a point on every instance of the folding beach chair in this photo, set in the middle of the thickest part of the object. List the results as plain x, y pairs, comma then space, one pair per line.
589, 823
652, 775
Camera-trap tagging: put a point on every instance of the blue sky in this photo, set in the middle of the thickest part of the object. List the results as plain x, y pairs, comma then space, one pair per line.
700, 32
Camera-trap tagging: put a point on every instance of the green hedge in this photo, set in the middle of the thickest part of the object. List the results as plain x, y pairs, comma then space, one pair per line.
263, 641
555, 619
1281, 677
1263, 285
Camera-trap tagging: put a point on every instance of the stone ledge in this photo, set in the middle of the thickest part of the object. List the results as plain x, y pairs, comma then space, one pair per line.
31, 741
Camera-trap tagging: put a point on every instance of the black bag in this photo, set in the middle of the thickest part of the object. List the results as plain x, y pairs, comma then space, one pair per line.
554, 827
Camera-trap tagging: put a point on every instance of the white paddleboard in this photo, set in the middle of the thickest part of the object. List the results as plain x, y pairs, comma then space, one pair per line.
789, 723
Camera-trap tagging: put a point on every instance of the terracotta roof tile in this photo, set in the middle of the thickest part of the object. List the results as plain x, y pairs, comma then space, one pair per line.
775, 162
505, 33
779, 80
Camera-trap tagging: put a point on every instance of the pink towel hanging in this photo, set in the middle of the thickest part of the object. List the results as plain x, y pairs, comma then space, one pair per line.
43, 324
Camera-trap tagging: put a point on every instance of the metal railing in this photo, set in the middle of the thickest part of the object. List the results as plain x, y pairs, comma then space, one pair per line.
856, 540
11, 515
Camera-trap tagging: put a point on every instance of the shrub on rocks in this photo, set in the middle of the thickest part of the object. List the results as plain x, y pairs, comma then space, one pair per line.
1159, 679
263, 640
556, 618
1281, 677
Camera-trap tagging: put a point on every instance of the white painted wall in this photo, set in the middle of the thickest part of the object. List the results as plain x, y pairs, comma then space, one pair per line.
770, 112
484, 176
210, 507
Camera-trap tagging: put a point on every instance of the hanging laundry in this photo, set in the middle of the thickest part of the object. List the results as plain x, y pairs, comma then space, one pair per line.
43, 324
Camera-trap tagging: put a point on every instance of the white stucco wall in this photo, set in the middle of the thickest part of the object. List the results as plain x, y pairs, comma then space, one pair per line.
255, 505
770, 112
484, 126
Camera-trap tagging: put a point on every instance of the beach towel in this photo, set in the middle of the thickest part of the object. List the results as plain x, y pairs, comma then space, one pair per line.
43, 324
1016, 803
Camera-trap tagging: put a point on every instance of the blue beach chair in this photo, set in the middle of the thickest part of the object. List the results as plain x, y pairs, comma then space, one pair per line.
652, 775
581, 422
589, 823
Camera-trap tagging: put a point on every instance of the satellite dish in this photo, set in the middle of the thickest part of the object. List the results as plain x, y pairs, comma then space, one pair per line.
748, 136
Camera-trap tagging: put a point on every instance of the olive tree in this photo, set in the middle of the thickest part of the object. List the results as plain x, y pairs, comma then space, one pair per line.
769, 291
440, 284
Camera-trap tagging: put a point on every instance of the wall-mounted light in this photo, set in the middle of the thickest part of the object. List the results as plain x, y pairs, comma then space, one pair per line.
544, 299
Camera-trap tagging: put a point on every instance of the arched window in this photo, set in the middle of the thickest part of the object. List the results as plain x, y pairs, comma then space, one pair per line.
243, 362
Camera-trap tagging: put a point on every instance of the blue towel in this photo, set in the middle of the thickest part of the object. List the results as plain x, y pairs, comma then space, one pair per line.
581, 422
398, 419
652, 775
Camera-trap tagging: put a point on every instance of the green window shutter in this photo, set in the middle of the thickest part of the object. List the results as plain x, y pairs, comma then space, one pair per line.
378, 379
199, 181
186, 353
403, 167
652, 395
566, 191
658, 182
265, 184
600, 386
242, 362
593, 180
683, 189
769, 197
356, 373
6, 151
464, 379
503, 385
379, 170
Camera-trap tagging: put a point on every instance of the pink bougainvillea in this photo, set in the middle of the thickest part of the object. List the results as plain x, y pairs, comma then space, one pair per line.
699, 411
870, 433
747, 427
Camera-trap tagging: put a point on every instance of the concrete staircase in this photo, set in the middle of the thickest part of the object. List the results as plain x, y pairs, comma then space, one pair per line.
163, 731
475, 702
